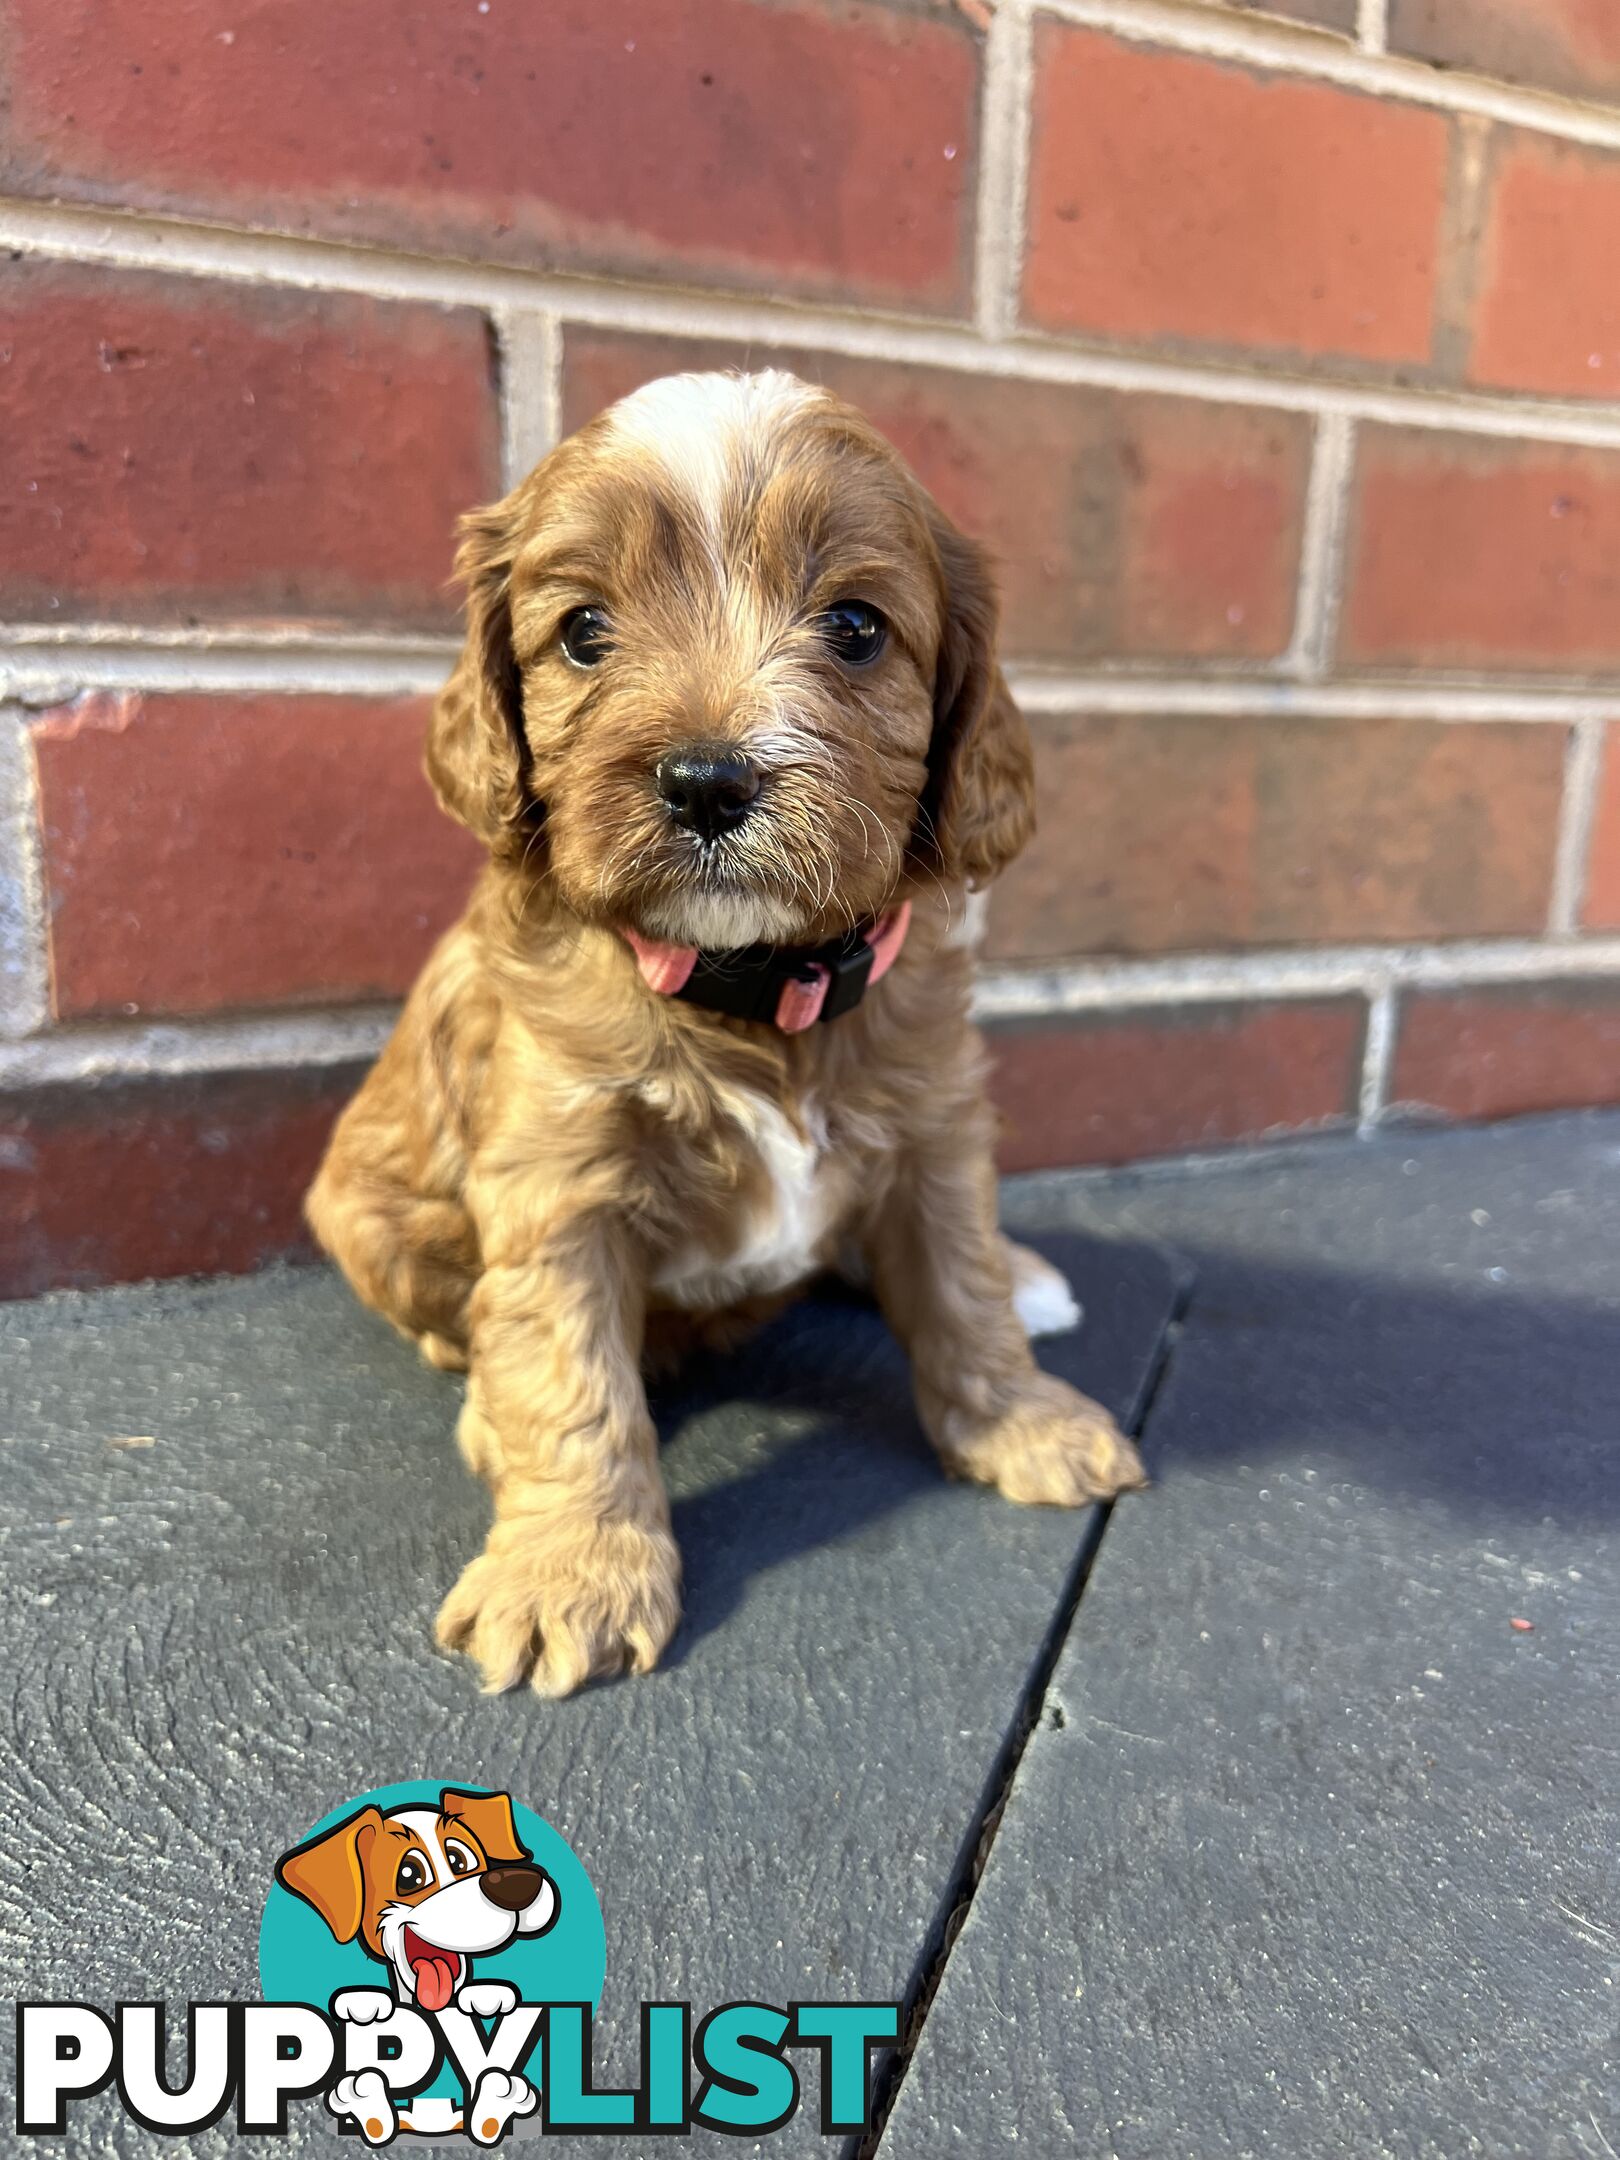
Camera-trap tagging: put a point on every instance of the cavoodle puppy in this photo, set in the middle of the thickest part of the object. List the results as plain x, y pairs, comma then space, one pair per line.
729, 721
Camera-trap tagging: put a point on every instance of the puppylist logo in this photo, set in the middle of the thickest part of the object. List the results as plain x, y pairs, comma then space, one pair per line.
431, 1958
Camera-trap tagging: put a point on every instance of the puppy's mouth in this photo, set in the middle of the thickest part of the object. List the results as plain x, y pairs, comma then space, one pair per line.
435, 1973
720, 921
715, 896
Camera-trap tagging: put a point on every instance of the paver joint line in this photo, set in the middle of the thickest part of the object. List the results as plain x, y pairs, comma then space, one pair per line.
958, 1900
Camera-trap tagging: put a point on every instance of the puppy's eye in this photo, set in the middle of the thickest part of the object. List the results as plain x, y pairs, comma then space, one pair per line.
853, 632
460, 1859
586, 636
412, 1876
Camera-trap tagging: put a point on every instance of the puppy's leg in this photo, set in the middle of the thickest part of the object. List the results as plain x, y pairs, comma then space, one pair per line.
943, 1276
410, 1257
385, 1202
580, 1575
1042, 1298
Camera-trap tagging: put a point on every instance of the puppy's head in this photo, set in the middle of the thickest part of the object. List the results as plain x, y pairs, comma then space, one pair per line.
730, 674
425, 1888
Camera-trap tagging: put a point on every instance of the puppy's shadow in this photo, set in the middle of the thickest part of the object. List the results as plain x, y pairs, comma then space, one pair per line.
803, 1438
807, 1437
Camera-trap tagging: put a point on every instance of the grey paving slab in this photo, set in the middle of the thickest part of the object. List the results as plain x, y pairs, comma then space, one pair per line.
213, 1639
1312, 1853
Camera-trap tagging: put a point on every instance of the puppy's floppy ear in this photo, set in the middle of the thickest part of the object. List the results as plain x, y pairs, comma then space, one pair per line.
980, 797
489, 1817
475, 746
329, 1872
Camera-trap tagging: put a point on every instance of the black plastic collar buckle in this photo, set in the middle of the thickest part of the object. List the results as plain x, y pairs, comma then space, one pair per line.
747, 984
849, 968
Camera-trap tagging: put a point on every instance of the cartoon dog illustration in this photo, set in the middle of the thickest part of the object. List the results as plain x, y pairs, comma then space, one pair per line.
425, 1890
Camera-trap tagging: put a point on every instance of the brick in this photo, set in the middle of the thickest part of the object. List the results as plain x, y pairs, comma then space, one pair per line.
127, 1179
1113, 1087
1571, 45
1178, 199
205, 852
1166, 833
1124, 526
1548, 318
1602, 910
178, 448
828, 146
1466, 552
1503, 1051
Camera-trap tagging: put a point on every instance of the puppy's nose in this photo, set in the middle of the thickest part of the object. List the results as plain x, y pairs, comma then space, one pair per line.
512, 1888
708, 787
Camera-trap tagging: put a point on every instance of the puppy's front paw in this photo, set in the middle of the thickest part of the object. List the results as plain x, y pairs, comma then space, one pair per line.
1049, 1446
487, 1998
362, 2005
564, 1598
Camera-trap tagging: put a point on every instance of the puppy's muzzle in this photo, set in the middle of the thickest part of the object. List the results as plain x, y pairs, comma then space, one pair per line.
513, 1889
707, 787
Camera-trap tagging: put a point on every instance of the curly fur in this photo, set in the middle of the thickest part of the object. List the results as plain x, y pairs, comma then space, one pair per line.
554, 1175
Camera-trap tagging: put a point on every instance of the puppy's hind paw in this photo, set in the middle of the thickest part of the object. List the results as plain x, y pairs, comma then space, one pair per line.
499, 2098
363, 2100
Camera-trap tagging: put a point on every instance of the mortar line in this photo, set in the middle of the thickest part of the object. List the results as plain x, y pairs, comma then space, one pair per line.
554, 381
25, 994
44, 661
51, 674
334, 1034
1372, 26
1003, 167
271, 1042
1378, 1055
1321, 552
228, 635
985, 1824
1305, 49
530, 350
1102, 986
1577, 814
146, 243
1056, 695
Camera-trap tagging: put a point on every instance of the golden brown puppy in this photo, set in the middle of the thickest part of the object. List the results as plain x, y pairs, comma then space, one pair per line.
730, 687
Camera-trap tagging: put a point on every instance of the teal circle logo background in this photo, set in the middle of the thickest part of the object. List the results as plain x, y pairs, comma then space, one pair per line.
300, 1960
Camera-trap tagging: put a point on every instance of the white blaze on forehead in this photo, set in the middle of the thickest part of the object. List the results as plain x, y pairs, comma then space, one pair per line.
425, 1822
696, 426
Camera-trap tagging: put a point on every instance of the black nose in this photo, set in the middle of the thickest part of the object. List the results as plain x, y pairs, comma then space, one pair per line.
708, 787
513, 1889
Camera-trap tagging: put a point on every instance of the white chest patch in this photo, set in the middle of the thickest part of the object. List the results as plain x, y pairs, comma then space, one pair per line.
779, 1238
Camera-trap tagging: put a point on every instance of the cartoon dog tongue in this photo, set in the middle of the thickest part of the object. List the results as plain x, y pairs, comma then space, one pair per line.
435, 1974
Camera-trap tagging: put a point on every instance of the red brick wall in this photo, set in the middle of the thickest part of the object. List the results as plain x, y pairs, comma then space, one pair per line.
1275, 351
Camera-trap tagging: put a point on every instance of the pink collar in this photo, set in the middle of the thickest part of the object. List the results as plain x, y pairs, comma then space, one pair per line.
789, 986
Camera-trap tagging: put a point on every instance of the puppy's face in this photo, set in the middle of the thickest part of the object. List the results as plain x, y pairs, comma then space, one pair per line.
729, 673
425, 1889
